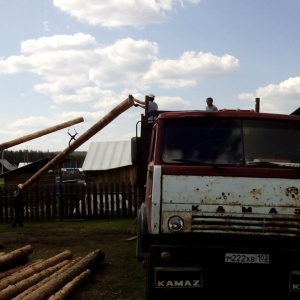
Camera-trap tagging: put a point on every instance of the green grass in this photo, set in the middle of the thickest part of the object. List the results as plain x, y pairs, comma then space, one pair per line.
120, 276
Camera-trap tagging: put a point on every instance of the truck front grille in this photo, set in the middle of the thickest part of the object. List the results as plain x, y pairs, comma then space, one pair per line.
254, 224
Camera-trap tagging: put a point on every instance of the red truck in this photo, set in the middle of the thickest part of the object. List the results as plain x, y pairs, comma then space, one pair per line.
221, 204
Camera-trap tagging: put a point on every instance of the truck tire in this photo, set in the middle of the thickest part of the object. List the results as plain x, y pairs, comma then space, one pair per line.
142, 233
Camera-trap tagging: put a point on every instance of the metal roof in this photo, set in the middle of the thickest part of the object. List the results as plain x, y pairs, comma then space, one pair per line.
22, 164
7, 165
32, 168
107, 155
28, 169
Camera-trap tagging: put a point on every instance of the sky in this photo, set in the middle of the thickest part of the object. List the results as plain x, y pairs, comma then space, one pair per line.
65, 59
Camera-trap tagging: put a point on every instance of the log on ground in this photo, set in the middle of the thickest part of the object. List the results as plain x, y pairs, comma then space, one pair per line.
54, 285
14, 256
22, 295
15, 289
17, 269
67, 290
52, 261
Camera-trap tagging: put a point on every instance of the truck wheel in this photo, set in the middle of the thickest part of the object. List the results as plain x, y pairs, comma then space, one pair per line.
150, 290
142, 232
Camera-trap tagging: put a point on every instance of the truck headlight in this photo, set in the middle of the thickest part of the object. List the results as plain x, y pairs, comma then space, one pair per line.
175, 223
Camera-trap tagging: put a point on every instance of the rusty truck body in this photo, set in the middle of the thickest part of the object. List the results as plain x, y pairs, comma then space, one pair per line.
221, 203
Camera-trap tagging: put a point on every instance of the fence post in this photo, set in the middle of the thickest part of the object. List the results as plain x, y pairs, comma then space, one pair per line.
60, 201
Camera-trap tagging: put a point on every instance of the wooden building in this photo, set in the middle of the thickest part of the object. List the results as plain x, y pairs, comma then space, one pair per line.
22, 174
109, 162
6, 166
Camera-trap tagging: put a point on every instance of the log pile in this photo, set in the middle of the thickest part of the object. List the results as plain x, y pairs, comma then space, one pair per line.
15, 258
54, 278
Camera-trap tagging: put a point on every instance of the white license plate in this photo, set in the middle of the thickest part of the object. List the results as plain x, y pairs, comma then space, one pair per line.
247, 258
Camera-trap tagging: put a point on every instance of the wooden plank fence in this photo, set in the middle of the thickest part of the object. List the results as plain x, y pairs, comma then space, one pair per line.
71, 201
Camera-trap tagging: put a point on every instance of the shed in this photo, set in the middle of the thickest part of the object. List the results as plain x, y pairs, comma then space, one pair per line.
109, 162
6, 166
22, 174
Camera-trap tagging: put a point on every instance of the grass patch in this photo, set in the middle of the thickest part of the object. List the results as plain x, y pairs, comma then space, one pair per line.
120, 276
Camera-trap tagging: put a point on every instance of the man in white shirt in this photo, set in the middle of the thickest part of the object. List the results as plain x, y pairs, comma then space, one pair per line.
152, 106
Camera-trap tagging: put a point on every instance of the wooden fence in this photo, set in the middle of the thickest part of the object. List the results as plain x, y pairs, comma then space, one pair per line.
71, 201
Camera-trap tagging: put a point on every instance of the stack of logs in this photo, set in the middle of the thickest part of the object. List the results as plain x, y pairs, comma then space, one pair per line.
54, 278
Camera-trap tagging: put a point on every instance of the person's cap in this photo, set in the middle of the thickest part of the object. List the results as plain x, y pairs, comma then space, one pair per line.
151, 96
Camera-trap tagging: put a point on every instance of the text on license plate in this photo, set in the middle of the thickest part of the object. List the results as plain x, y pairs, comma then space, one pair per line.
247, 258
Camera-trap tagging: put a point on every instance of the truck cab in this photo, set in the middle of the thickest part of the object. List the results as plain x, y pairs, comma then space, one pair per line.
221, 204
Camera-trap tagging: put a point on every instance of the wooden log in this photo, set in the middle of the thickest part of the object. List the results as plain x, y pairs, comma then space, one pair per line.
71, 286
42, 282
16, 269
39, 133
15, 255
19, 262
127, 103
14, 278
17, 288
55, 284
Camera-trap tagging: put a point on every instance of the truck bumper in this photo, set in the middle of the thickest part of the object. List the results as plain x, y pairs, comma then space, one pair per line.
224, 269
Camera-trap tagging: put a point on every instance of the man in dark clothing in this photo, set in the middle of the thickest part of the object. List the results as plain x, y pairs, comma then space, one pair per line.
18, 206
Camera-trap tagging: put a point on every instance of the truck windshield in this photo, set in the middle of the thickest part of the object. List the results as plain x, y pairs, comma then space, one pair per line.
230, 141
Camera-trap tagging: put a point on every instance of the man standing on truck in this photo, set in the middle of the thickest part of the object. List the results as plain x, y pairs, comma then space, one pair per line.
152, 107
210, 106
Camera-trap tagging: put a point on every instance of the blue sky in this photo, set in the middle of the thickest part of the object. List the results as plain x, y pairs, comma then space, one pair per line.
62, 59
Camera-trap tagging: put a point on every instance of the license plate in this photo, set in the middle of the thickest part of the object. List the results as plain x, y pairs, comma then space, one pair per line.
243, 258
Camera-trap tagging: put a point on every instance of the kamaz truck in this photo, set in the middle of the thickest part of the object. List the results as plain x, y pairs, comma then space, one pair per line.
220, 211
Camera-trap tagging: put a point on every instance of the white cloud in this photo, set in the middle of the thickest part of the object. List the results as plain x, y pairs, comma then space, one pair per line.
120, 13
30, 122
177, 103
277, 98
46, 25
190, 68
77, 69
78, 41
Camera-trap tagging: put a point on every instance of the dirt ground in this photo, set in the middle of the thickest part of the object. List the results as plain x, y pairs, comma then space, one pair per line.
118, 277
